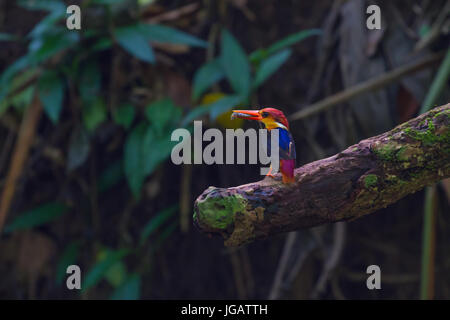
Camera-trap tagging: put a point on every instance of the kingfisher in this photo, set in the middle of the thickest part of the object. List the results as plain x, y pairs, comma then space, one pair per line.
274, 119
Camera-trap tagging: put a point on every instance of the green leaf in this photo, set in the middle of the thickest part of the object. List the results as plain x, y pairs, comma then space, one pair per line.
79, 146
163, 115
94, 114
124, 115
288, 41
159, 33
37, 217
99, 270
133, 41
270, 65
155, 222
111, 176
68, 257
206, 76
51, 92
130, 290
235, 64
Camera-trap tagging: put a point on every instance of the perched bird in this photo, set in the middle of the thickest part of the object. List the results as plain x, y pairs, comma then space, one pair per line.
274, 119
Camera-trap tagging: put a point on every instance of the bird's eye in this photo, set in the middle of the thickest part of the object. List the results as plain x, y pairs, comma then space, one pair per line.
265, 114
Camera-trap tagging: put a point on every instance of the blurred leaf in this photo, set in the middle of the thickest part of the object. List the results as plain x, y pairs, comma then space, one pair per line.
124, 115
195, 114
116, 274
23, 98
10, 72
163, 236
223, 105
159, 33
214, 109
163, 115
437, 86
235, 64
144, 150
7, 37
94, 114
155, 222
79, 146
68, 257
166, 233
206, 76
54, 44
90, 81
133, 41
224, 119
130, 290
37, 216
51, 93
134, 165
270, 65
111, 176
288, 41
47, 5
292, 39
424, 29
156, 149
44, 27
106, 1
145, 2
19, 101
102, 44
99, 269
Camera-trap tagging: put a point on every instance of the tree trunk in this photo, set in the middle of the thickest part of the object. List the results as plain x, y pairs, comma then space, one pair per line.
365, 177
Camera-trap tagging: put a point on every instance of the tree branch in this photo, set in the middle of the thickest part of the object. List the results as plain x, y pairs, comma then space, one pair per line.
365, 177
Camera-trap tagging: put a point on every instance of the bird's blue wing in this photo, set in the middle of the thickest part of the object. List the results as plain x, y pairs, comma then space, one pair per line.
285, 143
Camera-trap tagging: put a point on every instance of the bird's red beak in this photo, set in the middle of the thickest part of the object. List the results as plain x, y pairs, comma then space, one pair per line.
246, 114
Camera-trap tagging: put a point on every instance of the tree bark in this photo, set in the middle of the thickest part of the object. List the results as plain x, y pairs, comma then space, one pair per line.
365, 177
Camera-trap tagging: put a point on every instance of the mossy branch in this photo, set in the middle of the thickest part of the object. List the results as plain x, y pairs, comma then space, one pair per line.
365, 177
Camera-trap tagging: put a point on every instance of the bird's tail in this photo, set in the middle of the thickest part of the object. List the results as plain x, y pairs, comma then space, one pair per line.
287, 170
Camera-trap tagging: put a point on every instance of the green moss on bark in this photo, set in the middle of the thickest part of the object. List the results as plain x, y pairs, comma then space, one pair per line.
218, 213
370, 180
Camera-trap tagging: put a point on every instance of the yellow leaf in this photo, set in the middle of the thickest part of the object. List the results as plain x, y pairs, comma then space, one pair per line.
224, 120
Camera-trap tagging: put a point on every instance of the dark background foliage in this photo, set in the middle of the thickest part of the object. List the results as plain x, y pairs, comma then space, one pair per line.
98, 189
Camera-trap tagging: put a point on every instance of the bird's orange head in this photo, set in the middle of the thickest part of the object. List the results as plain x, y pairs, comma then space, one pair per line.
271, 117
